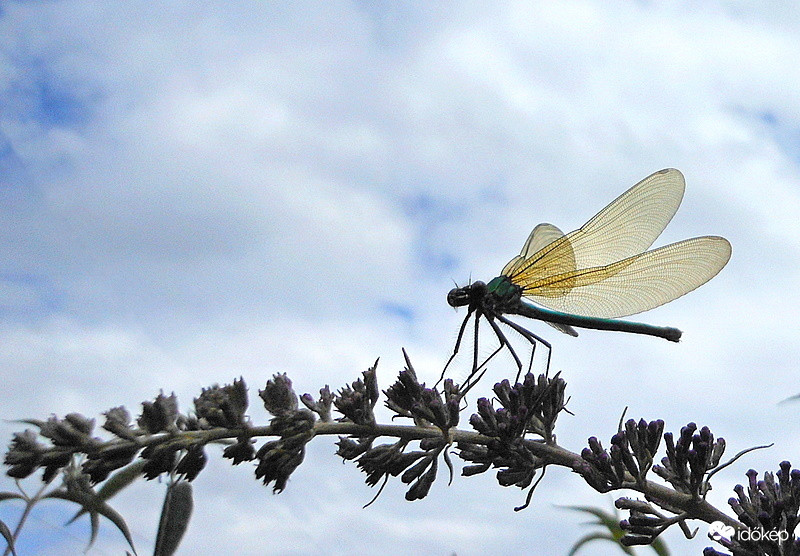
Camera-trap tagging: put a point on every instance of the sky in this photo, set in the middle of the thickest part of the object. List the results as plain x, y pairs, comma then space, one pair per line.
204, 191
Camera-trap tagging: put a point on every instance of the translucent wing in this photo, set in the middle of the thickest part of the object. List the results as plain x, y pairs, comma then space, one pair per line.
627, 226
635, 284
541, 236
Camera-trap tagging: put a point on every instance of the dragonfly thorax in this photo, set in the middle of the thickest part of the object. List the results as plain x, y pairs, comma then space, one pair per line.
502, 293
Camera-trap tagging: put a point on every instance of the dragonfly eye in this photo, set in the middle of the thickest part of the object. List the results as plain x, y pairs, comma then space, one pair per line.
458, 297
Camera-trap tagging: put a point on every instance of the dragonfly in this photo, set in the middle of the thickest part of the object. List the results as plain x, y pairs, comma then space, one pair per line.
591, 277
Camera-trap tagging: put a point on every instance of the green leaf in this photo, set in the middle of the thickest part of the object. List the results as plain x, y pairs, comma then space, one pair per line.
6, 532
660, 547
117, 482
93, 504
598, 536
610, 521
121, 479
175, 516
607, 519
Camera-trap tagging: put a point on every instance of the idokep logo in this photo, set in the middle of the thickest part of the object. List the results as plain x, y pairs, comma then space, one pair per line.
719, 531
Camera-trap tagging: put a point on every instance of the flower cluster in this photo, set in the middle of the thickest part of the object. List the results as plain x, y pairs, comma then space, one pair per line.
769, 510
357, 403
277, 459
689, 459
631, 456
531, 406
161, 435
406, 398
644, 524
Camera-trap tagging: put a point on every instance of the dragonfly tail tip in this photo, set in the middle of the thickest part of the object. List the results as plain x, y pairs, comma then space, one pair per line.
673, 334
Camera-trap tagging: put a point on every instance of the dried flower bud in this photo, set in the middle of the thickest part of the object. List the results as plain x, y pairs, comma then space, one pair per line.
243, 450
192, 462
276, 462
278, 395
118, 422
160, 459
100, 464
321, 407
223, 406
159, 415
24, 454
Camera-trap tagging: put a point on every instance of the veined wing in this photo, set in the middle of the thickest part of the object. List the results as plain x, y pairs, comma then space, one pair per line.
626, 227
542, 236
635, 284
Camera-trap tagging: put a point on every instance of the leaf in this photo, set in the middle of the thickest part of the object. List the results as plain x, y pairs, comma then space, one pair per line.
94, 521
93, 504
660, 547
604, 518
597, 536
175, 516
6, 532
117, 482
121, 479
610, 521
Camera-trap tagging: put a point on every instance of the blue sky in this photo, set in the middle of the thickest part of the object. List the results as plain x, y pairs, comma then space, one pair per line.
200, 192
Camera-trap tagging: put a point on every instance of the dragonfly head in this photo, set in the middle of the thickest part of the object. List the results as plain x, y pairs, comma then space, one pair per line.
458, 297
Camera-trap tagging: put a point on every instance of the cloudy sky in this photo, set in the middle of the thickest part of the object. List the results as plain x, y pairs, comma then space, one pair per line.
203, 191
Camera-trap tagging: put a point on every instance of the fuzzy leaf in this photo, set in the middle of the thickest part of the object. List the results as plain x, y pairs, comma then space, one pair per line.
175, 516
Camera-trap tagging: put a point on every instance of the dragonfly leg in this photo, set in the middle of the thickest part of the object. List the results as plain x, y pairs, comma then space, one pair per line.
531, 337
475, 346
457, 346
477, 368
504, 342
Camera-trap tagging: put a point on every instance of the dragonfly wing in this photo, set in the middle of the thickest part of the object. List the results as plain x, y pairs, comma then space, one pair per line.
630, 223
628, 226
541, 236
565, 328
635, 284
